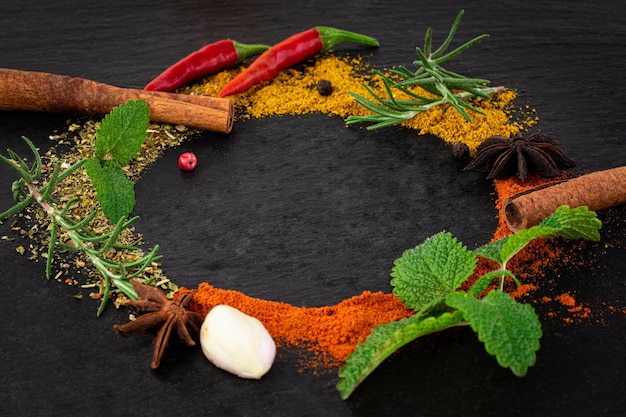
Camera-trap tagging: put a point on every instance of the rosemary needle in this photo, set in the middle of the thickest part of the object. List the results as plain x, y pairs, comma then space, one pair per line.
447, 87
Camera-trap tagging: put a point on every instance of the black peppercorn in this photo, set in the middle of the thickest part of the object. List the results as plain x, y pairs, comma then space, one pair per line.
460, 151
324, 87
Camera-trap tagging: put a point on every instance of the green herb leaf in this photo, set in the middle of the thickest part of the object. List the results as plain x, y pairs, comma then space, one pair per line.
114, 191
383, 341
509, 330
492, 250
424, 275
429, 275
578, 223
122, 132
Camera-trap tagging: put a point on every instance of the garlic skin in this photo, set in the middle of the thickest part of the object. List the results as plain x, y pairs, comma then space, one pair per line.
237, 343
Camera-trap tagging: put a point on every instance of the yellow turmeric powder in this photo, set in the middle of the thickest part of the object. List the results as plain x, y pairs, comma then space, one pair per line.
293, 92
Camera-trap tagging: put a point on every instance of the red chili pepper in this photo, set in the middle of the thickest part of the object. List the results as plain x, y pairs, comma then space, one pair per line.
289, 52
206, 60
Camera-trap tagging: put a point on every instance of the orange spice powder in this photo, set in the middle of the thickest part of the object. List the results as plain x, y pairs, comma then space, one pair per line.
567, 301
530, 264
331, 332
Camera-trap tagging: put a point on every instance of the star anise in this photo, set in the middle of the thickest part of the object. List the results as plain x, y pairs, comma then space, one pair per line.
504, 157
160, 316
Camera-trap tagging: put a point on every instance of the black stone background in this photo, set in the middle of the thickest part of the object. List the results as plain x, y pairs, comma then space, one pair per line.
303, 210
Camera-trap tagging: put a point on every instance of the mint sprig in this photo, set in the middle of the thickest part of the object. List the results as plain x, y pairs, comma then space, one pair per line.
118, 142
427, 279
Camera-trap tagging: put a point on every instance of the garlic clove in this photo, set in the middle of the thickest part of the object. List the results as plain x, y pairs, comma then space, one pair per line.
237, 343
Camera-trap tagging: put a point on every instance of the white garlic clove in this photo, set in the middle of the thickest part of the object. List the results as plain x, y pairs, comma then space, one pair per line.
237, 343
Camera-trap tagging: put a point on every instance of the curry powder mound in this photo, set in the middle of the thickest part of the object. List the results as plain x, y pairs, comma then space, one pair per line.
294, 92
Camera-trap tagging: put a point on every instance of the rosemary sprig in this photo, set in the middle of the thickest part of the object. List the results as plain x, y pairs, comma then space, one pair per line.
82, 238
447, 87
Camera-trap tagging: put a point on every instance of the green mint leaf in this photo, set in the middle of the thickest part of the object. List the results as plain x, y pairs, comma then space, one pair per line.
519, 240
122, 132
577, 223
424, 275
565, 222
492, 250
509, 330
385, 339
114, 191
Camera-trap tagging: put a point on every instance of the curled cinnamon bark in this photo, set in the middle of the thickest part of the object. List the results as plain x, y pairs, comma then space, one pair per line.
597, 190
45, 92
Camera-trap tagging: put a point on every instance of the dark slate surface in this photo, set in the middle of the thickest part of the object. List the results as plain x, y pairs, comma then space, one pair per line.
302, 210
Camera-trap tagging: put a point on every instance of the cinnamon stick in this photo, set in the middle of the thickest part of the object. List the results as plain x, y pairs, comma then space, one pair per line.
45, 92
597, 190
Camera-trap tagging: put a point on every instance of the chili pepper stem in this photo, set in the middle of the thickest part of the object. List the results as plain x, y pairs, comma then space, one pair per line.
248, 50
332, 36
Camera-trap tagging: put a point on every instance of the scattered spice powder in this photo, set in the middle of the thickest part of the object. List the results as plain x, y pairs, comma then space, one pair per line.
452, 127
576, 311
68, 148
294, 91
530, 264
566, 299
